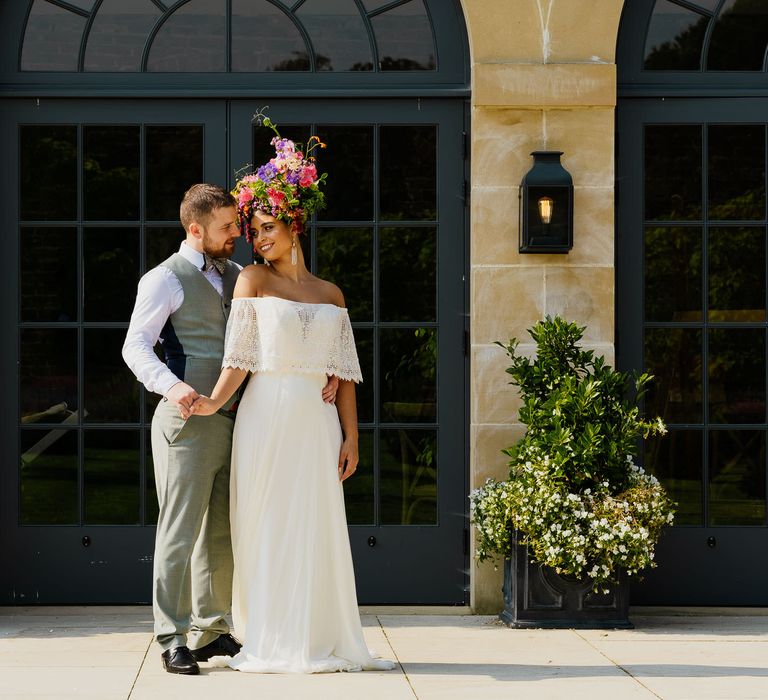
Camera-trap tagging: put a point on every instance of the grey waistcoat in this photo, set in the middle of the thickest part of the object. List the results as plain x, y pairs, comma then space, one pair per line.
193, 337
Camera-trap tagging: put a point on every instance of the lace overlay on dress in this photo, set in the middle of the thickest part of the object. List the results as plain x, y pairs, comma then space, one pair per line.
270, 334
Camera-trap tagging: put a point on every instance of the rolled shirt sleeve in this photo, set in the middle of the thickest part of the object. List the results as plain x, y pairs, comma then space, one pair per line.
159, 295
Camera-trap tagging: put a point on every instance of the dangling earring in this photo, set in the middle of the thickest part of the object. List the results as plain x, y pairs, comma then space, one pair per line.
294, 256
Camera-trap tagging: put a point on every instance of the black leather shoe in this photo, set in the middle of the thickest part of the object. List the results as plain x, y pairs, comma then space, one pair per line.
180, 660
223, 645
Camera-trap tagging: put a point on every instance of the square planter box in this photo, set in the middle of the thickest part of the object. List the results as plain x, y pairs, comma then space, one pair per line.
537, 596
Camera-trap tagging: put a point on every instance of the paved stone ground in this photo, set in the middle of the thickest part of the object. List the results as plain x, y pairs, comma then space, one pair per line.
106, 653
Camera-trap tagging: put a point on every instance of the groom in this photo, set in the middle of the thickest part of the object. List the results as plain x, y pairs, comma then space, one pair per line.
184, 302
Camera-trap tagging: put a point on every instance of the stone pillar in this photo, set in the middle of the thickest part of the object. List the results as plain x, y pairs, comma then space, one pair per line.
543, 78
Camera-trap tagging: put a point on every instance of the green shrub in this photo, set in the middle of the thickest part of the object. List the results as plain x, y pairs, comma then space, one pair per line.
574, 494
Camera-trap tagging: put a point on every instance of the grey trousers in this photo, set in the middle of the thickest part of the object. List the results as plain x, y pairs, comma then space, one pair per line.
193, 549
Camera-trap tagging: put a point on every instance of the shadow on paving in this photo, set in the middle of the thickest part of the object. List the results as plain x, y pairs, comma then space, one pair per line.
532, 672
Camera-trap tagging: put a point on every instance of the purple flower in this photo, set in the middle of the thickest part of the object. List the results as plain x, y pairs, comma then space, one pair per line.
266, 173
293, 176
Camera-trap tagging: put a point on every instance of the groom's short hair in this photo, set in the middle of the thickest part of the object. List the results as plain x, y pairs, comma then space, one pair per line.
199, 202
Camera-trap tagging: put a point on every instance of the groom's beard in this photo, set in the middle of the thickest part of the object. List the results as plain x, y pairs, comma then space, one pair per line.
218, 250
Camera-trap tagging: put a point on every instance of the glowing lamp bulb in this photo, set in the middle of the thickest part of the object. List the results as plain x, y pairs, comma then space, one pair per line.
546, 207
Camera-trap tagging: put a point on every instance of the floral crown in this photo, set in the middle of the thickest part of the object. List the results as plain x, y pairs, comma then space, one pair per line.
287, 187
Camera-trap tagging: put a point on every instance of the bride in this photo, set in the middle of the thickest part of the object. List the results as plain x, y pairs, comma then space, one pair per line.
294, 601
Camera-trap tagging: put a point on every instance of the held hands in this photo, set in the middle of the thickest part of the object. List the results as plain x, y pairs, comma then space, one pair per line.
348, 459
203, 406
182, 396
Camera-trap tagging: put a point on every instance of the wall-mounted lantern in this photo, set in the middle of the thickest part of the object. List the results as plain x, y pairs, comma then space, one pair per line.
546, 206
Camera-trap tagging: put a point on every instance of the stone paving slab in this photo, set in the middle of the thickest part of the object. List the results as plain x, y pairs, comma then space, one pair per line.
107, 653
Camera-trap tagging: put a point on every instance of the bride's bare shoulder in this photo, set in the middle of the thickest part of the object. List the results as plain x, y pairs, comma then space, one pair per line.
250, 281
332, 293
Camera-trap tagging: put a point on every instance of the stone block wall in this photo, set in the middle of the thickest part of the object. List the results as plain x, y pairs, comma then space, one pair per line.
543, 77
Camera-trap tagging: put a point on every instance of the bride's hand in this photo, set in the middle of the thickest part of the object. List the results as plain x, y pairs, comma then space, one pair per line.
203, 406
348, 459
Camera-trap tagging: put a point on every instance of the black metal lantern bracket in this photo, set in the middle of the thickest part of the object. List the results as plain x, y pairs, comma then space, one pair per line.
546, 206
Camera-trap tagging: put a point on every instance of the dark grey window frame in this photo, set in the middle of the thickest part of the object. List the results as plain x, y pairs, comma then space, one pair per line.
28, 90
698, 565
451, 79
635, 81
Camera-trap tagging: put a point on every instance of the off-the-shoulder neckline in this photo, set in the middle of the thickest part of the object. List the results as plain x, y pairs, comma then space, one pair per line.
291, 301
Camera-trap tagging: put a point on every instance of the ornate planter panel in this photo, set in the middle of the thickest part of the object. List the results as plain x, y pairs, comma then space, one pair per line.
537, 596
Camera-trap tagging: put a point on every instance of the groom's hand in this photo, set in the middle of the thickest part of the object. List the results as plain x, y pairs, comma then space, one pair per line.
182, 396
330, 389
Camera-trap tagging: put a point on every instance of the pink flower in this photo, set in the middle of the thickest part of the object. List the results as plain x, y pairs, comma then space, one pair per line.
276, 198
308, 175
245, 196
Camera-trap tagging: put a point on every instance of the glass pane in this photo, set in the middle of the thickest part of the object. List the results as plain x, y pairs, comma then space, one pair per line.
48, 271
408, 369
408, 172
736, 274
673, 357
110, 273
675, 38
111, 177
111, 392
118, 34
740, 36
174, 164
411, 295
263, 151
736, 375
111, 484
408, 483
52, 38
736, 477
358, 489
151, 507
162, 242
48, 376
371, 5
404, 38
264, 38
676, 459
48, 477
736, 168
349, 163
345, 257
338, 34
49, 191
673, 274
673, 172
192, 40
365, 391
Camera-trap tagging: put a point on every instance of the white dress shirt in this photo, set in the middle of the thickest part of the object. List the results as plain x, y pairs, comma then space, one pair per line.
159, 295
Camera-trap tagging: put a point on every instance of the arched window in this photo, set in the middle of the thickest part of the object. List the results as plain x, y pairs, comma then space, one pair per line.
706, 44
220, 36
707, 35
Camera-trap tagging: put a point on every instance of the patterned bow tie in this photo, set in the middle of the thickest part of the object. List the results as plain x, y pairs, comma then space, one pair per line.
219, 263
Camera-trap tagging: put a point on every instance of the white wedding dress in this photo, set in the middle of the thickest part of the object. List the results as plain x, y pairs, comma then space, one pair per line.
294, 602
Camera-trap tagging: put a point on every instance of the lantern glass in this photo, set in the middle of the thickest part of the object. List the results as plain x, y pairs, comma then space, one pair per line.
546, 205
